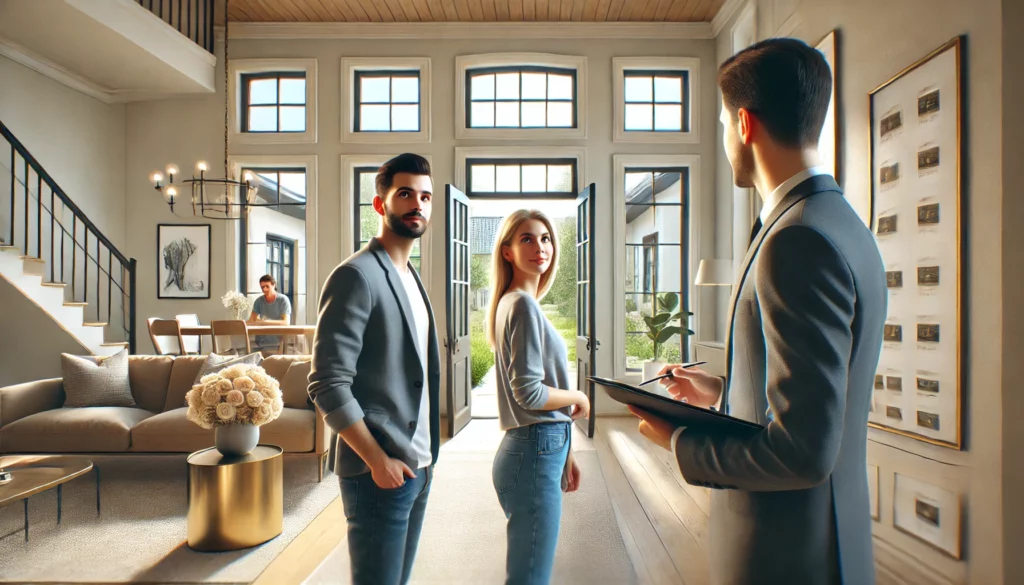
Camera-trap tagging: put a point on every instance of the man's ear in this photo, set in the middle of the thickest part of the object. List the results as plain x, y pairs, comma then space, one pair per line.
378, 205
746, 122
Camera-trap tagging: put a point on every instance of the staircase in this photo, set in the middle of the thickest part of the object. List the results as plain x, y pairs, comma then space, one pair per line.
54, 255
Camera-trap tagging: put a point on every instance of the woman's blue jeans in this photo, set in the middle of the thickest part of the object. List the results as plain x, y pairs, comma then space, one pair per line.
527, 475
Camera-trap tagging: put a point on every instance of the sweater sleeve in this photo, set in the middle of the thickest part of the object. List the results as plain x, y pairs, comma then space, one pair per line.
524, 334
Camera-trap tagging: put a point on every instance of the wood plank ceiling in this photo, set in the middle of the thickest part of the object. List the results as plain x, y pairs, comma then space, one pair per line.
473, 10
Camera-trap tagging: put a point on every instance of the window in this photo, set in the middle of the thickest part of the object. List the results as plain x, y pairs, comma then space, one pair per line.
281, 265
521, 178
367, 222
654, 99
274, 102
385, 100
521, 96
388, 101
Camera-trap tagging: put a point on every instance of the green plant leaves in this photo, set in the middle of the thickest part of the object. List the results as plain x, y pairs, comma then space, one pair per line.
669, 301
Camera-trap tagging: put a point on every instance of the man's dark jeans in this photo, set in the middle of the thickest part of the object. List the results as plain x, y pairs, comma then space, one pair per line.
384, 526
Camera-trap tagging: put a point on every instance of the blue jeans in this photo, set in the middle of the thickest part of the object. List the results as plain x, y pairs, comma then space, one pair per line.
384, 526
527, 475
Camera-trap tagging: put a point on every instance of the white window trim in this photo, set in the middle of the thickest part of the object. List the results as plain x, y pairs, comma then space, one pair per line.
245, 66
309, 162
620, 163
348, 202
349, 66
622, 64
465, 62
501, 152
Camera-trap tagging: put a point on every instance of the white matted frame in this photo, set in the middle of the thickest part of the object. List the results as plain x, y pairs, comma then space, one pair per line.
504, 152
928, 512
620, 163
464, 63
308, 162
691, 65
240, 67
349, 67
349, 163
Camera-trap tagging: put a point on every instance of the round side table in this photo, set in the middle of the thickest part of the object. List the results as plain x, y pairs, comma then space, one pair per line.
234, 502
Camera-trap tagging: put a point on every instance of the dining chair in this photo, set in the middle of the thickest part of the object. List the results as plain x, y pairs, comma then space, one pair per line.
166, 336
193, 343
237, 334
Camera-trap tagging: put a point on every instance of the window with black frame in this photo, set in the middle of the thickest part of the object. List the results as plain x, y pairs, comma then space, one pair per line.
656, 262
656, 101
515, 178
367, 222
274, 102
387, 101
521, 97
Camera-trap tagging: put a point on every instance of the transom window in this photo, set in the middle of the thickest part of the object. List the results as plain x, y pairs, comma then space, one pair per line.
367, 220
521, 97
656, 269
522, 178
387, 101
274, 102
656, 101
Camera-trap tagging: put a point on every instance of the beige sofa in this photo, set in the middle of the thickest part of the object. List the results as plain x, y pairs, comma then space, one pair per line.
33, 420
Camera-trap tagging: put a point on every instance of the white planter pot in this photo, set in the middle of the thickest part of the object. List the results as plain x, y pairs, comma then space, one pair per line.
236, 440
651, 369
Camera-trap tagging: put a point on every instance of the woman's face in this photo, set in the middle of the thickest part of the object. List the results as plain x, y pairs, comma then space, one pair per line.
531, 248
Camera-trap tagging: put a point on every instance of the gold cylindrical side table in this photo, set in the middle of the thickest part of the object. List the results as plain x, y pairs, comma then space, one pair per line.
234, 502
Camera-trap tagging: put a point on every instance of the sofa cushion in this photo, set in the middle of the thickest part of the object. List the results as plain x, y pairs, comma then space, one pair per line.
276, 366
171, 432
215, 363
183, 373
96, 381
99, 429
295, 384
148, 376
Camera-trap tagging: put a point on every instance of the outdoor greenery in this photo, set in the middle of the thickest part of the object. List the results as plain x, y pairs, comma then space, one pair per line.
480, 351
563, 291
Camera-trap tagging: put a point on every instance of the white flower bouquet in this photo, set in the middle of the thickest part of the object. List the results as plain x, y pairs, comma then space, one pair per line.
236, 302
240, 394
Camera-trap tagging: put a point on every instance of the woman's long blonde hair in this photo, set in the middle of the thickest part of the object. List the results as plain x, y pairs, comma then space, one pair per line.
501, 269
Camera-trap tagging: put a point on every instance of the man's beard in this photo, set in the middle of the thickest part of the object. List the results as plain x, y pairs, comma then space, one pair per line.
743, 168
397, 224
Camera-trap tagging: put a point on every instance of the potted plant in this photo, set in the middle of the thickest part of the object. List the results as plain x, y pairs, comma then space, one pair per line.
235, 402
661, 327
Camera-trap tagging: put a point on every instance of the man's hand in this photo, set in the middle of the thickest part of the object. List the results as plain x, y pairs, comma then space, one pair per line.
657, 430
574, 475
692, 385
391, 473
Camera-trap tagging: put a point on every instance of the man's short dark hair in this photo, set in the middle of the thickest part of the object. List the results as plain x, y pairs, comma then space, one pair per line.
786, 84
413, 164
268, 278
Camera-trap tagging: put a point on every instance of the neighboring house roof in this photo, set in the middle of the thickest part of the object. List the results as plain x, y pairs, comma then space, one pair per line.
482, 233
645, 191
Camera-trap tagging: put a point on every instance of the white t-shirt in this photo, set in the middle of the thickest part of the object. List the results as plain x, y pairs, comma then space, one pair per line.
421, 321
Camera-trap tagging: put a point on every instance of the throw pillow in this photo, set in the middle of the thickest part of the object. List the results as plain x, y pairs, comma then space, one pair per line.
294, 386
215, 363
96, 381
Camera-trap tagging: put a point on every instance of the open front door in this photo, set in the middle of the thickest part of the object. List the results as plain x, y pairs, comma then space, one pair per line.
586, 343
457, 344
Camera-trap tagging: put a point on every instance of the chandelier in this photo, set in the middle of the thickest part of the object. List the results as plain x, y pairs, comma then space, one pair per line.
215, 197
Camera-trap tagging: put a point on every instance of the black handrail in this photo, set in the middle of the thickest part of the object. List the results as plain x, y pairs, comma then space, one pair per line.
197, 23
126, 264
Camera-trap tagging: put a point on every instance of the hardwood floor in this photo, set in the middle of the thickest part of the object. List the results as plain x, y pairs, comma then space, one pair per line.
663, 520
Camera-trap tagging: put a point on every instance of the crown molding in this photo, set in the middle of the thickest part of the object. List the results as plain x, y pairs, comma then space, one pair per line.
725, 14
44, 66
472, 30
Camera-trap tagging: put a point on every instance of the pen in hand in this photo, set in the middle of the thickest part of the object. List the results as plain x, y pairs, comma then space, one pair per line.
669, 375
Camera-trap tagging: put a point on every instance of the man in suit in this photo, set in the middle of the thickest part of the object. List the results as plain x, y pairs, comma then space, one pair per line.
375, 376
790, 501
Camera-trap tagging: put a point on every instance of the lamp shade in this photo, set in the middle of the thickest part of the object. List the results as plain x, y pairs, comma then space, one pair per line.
714, 272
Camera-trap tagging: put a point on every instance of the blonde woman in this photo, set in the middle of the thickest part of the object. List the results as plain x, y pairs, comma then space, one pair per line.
535, 408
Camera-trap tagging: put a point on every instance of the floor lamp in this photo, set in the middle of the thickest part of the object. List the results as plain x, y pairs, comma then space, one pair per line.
714, 272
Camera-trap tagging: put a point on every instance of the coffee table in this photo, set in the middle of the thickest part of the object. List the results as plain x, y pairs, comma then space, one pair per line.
34, 474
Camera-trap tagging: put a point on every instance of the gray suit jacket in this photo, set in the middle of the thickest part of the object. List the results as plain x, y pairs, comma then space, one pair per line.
365, 360
805, 338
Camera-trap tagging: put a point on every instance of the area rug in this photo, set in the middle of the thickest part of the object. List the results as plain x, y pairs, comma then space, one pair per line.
463, 540
140, 536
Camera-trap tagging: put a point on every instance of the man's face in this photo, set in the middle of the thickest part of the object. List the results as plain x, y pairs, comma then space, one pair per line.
267, 287
740, 155
406, 207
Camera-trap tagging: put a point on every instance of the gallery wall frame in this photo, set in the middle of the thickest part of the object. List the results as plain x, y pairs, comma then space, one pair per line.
183, 261
928, 513
915, 163
828, 143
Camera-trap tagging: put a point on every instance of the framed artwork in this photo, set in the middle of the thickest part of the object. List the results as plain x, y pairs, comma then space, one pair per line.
915, 215
929, 513
873, 491
183, 261
828, 143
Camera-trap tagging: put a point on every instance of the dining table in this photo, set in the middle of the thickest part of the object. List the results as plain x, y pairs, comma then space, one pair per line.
254, 329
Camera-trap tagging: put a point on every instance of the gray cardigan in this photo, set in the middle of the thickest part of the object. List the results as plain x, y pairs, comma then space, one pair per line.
365, 360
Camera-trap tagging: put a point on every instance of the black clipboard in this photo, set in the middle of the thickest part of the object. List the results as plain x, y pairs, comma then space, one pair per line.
680, 413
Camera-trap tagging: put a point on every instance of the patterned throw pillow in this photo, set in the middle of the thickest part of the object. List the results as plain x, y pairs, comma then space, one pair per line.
91, 381
216, 363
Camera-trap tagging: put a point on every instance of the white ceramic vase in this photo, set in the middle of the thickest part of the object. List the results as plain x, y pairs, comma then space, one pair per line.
236, 440
651, 369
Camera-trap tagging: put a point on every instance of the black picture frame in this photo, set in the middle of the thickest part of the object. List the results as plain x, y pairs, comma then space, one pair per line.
189, 279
